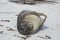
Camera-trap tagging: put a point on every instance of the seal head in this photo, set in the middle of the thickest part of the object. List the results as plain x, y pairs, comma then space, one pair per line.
26, 28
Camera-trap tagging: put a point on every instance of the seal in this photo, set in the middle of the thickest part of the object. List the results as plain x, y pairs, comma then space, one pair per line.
28, 22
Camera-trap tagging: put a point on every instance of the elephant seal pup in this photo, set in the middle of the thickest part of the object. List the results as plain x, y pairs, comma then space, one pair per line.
28, 22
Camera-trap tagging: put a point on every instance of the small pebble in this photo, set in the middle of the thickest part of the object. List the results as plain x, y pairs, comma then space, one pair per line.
1, 32
23, 37
7, 27
48, 37
42, 37
1, 25
10, 29
16, 15
14, 35
20, 37
5, 20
